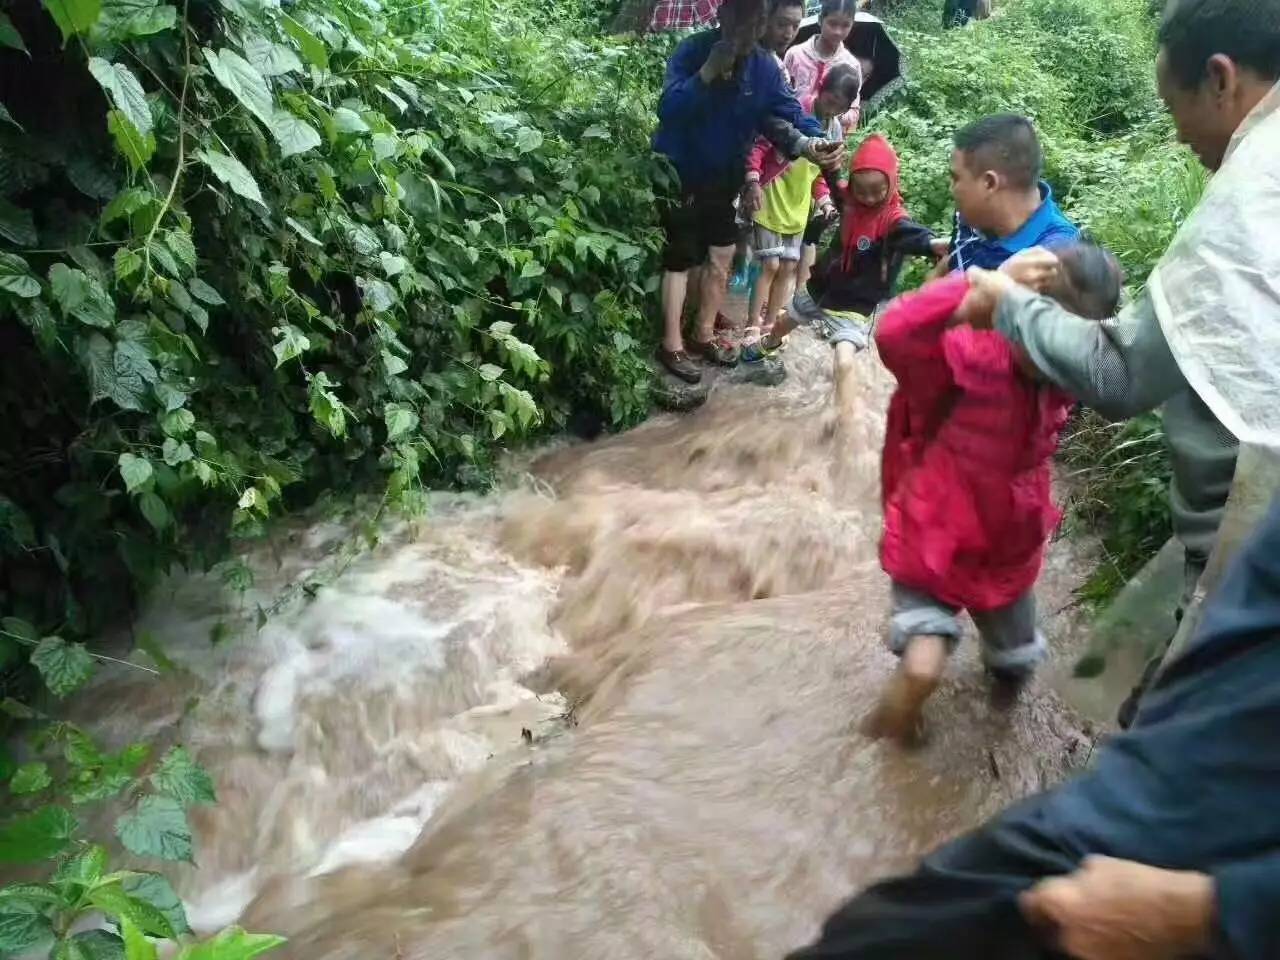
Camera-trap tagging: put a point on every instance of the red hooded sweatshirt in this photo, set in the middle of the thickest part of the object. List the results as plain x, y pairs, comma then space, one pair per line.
965, 477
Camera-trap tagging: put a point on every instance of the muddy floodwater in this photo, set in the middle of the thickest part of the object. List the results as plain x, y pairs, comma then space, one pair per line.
609, 713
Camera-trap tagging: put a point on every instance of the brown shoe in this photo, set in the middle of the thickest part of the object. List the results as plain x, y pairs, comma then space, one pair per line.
679, 364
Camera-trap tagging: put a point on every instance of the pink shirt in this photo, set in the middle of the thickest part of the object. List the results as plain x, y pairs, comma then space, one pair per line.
807, 68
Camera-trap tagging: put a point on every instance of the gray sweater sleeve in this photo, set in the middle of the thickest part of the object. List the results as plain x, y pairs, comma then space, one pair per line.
1120, 367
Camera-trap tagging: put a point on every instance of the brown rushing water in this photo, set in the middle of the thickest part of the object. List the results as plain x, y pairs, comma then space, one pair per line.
687, 620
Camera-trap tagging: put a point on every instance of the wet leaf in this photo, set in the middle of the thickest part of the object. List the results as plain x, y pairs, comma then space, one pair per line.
155, 512
16, 224
73, 16
182, 778
348, 121
80, 296
270, 59
91, 945
9, 36
36, 836
400, 419
64, 666
243, 80
123, 90
156, 890
23, 928
312, 47
294, 135
16, 277
137, 148
135, 471
233, 173
231, 944
30, 778
157, 827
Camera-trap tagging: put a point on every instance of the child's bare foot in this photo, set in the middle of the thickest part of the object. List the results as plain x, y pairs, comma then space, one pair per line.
899, 714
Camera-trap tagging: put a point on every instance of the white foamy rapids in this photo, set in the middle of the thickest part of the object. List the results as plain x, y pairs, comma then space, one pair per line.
336, 730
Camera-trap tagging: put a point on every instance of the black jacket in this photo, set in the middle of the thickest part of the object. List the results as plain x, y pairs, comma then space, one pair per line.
873, 272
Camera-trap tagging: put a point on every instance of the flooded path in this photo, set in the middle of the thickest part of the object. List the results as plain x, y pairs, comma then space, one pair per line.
611, 713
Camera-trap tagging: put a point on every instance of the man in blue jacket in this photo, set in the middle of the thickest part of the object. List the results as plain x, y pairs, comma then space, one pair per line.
722, 90
1169, 847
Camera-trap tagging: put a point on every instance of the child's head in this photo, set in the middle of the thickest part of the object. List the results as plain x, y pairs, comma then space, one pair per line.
839, 90
784, 24
836, 20
873, 172
868, 188
996, 162
1089, 281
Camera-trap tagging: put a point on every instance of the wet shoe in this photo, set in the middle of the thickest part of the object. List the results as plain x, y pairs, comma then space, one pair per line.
757, 352
713, 352
679, 364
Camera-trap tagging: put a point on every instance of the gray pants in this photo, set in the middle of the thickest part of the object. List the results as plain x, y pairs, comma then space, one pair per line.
1010, 640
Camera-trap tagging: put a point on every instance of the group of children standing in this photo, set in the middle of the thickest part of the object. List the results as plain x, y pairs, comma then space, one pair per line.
972, 427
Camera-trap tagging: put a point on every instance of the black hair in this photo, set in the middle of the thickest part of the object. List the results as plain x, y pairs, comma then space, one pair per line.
845, 80
1247, 31
832, 7
1091, 280
1006, 143
777, 5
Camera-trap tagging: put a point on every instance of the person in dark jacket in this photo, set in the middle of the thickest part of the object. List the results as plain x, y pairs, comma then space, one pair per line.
860, 268
1168, 847
720, 90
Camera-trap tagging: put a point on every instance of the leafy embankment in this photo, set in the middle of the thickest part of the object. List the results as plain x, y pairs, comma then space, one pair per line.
251, 254
1083, 70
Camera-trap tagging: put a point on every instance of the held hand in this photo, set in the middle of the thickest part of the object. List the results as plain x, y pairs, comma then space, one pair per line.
831, 155
1118, 910
1034, 267
986, 288
752, 196
719, 62
941, 247
828, 212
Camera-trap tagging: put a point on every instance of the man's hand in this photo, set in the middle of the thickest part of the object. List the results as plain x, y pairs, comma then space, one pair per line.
1034, 267
941, 247
752, 196
827, 154
986, 289
1119, 910
719, 62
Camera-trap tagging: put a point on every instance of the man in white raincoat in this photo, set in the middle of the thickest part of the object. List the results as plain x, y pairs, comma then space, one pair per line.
1169, 845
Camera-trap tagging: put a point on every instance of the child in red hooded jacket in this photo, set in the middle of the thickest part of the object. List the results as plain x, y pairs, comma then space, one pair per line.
859, 269
965, 482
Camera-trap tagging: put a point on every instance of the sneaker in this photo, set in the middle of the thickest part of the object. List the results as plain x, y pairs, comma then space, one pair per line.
758, 351
713, 352
679, 364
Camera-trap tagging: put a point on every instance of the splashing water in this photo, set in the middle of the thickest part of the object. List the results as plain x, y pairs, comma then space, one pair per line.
611, 713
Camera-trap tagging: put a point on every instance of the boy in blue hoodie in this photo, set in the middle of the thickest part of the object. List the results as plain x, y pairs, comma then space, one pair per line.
722, 90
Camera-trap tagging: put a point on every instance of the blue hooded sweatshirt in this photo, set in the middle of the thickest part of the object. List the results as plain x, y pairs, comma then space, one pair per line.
706, 130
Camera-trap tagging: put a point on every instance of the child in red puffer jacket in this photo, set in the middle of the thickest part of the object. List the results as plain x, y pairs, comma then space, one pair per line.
965, 481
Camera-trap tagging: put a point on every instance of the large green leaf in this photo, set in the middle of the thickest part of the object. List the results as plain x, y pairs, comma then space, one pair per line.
231, 944
113, 900
180, 777
91, 945
157, 827
73, 16
157, 891
135, 471
268, 58
233, 173
346, 120
124, 90
30, 778
137, 148
125, 19
120, 373
16, 224
400, 419
16, 277
23, 928
292, 343
9, 35
36, 836
136, 944
155, 511
80, 296
204, 293
64, 666
243, 80
293, 134
312, 47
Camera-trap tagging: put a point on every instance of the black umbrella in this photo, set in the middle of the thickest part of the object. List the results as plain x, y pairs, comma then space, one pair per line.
869, 39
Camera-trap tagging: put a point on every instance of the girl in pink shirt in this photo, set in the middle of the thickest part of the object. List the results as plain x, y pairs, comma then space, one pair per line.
808, 63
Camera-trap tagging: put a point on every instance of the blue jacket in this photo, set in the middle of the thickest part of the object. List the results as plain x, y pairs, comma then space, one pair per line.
1048, 227
1195, 785
706, 131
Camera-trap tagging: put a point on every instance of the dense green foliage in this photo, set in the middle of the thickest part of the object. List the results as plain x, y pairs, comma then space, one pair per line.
250, 255
257, 255
1083, 70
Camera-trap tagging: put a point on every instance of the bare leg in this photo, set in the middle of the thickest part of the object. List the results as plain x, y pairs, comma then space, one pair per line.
674, 286
779, 296
715, 277
901, 708
807, 257
769, 278
845, 408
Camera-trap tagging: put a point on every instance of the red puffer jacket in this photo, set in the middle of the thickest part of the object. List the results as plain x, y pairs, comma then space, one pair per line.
965, 475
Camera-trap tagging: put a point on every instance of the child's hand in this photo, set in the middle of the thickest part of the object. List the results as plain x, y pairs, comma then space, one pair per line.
828, 212
827, 154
